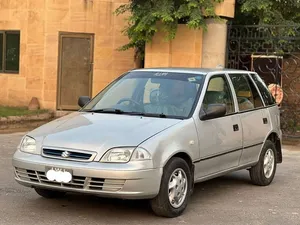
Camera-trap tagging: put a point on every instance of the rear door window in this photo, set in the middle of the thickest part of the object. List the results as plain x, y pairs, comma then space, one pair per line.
247, 95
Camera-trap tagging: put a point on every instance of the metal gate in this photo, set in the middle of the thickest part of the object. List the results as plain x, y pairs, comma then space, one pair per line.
274, 53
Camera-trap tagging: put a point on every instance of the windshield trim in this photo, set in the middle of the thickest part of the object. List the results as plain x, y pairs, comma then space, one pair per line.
196, 99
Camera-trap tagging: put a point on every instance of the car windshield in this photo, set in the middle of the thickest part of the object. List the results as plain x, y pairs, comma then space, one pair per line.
157, 94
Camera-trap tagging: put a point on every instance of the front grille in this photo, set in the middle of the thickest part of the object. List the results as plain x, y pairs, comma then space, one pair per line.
68, 154
78, 182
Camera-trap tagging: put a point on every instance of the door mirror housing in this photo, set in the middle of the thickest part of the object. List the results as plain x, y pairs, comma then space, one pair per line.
213, 111
83, 100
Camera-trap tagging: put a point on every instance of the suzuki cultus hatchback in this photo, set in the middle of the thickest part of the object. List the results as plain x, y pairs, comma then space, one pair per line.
154, 133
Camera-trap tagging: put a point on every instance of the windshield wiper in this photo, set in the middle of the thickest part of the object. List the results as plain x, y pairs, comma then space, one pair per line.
147, 114
108, 110
119, 111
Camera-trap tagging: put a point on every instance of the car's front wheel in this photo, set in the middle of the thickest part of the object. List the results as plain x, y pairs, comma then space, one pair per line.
174, 190
46, 193
263, 172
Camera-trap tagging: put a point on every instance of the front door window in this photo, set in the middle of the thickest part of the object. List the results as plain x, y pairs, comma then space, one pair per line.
218, 92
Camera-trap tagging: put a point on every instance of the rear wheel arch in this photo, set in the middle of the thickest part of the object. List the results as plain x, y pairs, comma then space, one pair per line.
263, 172
274, 137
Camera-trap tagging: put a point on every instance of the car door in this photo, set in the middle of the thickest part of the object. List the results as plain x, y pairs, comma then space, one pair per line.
253, 115
220, 139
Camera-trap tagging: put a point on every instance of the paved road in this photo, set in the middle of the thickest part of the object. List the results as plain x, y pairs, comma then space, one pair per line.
229, 200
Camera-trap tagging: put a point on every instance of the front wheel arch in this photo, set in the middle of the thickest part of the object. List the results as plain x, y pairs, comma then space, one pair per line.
186, 157
161, 204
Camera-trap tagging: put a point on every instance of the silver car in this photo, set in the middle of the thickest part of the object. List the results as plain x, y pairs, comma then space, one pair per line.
154, 133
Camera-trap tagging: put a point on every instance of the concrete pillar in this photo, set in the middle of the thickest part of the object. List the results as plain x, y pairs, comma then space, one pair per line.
193, 48
214, 44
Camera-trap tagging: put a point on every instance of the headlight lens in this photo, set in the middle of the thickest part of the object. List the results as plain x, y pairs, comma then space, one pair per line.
28, 145
123, 155
118, 155
140, 154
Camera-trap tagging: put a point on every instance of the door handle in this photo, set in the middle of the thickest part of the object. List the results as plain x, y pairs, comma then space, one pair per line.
235, 127
265, 120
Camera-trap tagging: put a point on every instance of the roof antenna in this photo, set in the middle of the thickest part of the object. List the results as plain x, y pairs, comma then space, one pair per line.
220, 66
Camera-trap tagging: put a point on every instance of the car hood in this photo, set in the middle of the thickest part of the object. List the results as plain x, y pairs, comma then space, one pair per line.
99, 132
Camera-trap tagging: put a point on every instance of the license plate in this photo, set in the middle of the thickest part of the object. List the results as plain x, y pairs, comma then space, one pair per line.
59, 175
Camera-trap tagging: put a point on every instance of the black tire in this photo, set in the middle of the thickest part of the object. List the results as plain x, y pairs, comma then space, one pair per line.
46, 193
160, 204
257, 174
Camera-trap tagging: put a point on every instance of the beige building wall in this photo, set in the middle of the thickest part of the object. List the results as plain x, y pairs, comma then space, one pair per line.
226, 8
40, 22
184, 51
193, 48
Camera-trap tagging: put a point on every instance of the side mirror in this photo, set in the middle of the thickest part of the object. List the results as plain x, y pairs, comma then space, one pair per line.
213, 111
83, 100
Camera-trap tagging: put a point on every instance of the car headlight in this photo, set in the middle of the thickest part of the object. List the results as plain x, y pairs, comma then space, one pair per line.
140, 154
124, 155
28, 145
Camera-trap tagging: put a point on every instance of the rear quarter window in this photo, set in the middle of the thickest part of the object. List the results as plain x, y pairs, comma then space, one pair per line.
266, 95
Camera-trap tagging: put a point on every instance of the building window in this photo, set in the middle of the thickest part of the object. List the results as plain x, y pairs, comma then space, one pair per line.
9, 51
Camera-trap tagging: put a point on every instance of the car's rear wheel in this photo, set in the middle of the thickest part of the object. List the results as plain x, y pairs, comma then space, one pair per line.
46, 193
175, 189
263, 172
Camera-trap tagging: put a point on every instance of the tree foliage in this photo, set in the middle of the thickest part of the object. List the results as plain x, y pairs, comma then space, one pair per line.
146, 15
284, 12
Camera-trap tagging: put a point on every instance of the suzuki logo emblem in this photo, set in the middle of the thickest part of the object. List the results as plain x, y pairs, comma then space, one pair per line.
65, 154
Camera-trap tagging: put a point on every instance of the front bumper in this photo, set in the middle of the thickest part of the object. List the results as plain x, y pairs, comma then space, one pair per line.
126, 181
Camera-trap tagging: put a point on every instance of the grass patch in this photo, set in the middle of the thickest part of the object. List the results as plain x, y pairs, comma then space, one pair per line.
18, 111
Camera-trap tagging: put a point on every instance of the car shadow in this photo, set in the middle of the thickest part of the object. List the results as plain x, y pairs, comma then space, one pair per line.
221, 186
94, 207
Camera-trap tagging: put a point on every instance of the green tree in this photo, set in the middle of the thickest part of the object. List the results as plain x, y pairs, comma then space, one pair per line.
284, 12
146, 15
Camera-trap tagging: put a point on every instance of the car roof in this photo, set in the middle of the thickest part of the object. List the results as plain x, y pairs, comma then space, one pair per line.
202, 71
